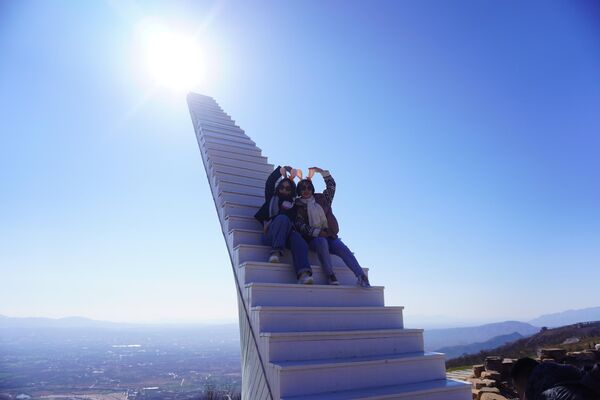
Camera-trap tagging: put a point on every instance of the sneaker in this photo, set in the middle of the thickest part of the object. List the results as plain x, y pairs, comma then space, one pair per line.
332, 280
363, 281
275, 256
305, 279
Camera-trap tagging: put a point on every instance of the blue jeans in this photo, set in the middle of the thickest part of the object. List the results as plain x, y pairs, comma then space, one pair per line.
324, 247
280, 235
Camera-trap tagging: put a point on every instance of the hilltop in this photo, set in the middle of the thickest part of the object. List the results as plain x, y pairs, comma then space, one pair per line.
571, 338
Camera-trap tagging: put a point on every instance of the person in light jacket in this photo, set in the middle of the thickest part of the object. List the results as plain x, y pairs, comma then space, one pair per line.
319, 227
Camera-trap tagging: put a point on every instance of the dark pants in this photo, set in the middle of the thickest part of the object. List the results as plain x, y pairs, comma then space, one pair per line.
280, 235
324, 247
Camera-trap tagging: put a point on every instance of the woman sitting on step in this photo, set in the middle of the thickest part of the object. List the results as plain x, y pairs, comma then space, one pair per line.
277, 215
317, 224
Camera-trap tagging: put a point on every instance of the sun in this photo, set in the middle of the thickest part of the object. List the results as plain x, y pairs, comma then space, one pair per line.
171, 59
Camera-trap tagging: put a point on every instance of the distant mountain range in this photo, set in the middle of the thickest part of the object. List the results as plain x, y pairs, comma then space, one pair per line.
567, 317
585, 335
436, 339
457, 351
453, 341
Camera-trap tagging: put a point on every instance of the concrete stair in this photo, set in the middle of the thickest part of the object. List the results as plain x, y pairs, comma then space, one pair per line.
309, 341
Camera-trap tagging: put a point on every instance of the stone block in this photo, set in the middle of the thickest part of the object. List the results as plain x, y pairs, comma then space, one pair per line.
493, 375
492, 396
477, 370
493, 363
557, 354
486, 390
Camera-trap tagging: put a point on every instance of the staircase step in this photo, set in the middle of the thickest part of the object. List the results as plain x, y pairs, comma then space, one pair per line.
220, 177
358, 373
260, 176
238, 188
282, 294
253, 252
235, 222
258, 165
265, 272
231, 138
244, 165
439, 389
237, 156
227, 142
296, 346
234, 208
310, 319
249, 200
207, 147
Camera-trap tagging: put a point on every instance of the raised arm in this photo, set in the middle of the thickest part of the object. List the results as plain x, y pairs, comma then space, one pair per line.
272, 181
329, 191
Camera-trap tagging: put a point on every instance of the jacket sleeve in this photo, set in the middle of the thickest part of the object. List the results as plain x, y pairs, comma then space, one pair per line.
270, 184
304, 227
329, 191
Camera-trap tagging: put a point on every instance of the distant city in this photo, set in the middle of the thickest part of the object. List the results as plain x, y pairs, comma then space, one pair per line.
119, 362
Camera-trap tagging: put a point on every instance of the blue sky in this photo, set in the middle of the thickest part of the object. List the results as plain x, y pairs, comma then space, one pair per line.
464, 137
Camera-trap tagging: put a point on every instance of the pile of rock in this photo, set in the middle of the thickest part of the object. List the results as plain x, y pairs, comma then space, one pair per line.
577, 358
491, 380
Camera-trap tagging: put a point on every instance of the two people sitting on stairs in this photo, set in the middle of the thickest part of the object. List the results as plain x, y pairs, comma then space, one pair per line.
297, 218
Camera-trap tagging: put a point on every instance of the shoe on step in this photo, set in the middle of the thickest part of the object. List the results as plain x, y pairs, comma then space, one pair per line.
363, 281
305, 278
275, 256
332, 279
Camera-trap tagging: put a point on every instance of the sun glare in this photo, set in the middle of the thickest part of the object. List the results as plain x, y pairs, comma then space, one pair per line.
171, 59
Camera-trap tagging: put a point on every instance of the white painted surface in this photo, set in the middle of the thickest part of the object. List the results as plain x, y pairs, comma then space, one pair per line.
305, 342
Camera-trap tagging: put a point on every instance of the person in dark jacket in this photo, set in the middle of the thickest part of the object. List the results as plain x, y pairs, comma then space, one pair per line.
551, 381
319, 227
277, 215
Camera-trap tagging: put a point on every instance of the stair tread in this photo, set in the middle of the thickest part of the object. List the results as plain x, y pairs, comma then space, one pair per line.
337, 362
362, 332
267, 264
323, 287
382, 392
324, 308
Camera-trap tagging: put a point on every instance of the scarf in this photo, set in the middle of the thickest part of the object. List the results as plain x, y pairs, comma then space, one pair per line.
316, 214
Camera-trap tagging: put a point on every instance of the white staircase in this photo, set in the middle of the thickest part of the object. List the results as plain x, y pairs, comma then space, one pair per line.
305, 342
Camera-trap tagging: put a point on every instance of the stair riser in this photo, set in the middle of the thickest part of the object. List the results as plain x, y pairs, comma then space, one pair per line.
206, 147
226, 142
330, 379
214, 118
338, 347
250, 274
241, 189
241, 223
310, 296
218, 124
231, 138
237, 209
237, 156
244, 254
243, 173
252, 201
221, 177
226, 162
312, 321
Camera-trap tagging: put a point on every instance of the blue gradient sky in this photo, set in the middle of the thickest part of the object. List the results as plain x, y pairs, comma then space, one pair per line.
464, 137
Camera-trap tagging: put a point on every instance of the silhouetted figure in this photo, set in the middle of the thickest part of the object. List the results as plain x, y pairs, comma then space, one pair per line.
551, 381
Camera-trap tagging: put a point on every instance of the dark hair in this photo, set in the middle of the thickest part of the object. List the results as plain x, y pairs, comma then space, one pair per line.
523, 368
292, 185
305, 182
